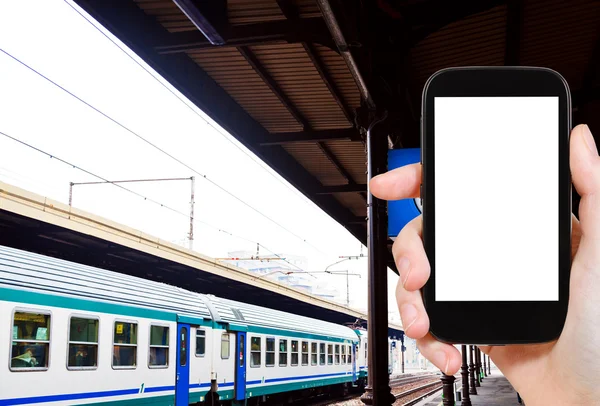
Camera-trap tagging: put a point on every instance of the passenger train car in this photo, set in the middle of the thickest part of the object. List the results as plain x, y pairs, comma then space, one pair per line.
74, 334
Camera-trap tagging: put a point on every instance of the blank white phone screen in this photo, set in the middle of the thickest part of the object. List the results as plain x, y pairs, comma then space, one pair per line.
496, 198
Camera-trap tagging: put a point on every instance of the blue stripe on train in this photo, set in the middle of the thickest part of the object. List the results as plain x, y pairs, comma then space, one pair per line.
69, 396
293, 378
121, 392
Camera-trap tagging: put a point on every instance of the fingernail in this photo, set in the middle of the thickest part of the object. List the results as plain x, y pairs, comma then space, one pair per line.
409, 315
404, 269
589, 140
440, 360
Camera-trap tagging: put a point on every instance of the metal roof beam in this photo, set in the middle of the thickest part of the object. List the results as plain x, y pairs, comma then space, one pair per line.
316, 60
311, 136
349, 188
288, 8
333, 159
262, 72
312, 30
139, 32
428, 17
514, 30
208, 16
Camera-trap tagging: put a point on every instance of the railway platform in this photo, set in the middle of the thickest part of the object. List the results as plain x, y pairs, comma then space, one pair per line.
495, 390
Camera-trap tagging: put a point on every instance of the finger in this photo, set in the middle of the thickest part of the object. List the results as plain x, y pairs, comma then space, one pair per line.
444, 356
415, 321
585, 170
575, 235
409, 254
400, 183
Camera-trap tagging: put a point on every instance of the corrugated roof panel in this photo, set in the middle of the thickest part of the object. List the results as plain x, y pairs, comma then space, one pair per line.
291, 67
475, 40
308, 8
353, 201
253, 11
352, 156
235, 75
339, 72
560, 35
167, 13
309, 155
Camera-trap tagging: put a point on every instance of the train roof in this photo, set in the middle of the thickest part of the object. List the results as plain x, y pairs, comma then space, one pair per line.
260, 317
41, 274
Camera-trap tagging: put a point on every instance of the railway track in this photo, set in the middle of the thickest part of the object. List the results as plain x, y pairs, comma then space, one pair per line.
429, 388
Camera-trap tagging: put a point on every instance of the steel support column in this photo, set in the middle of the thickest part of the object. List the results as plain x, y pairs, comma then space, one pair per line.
448, 389
478, 366
402, 350
484, 367
377, 391
464, 371
472, 388
489, 366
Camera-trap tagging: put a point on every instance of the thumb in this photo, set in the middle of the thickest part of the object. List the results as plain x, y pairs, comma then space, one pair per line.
585, 171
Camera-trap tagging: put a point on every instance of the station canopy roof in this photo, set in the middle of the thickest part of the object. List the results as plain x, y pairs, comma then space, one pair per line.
293, 80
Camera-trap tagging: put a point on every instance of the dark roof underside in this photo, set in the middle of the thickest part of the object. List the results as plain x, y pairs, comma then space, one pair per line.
280, 85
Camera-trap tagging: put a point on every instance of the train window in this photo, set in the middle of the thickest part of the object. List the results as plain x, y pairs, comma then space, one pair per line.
225, 346
183, 347
313, 354
30, 341
366, 352
255, 351
349, 354
242, 344
321, 354
200, 342
304, 352
125, 345
282, 353
83, 343
329, 354
294, 361
343, 354
270, 352
159, 347
337, 354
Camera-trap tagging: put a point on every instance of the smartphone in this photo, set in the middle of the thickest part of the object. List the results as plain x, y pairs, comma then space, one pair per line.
496, 199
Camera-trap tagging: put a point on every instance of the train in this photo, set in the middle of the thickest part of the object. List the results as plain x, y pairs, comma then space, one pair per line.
76, 334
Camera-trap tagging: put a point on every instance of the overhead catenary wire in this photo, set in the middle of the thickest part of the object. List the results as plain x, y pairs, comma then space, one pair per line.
191, 108
203, 176
52, 156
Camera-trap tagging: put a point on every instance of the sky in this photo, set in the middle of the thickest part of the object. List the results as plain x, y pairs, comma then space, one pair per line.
132, 106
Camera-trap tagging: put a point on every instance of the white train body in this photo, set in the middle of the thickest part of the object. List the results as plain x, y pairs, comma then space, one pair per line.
73, 334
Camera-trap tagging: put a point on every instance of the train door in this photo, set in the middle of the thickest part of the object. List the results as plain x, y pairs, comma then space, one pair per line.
240, 366
182, 380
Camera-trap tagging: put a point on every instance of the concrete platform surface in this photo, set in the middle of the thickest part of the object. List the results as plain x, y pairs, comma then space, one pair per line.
495, 390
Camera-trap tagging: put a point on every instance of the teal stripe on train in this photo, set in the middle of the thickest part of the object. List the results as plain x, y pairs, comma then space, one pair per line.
287, 387
66, 302
167, 400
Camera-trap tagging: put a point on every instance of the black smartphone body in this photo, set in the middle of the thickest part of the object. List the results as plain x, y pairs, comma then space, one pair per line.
496, 196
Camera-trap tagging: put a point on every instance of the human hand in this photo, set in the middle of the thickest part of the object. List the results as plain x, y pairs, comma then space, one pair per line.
563, 372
